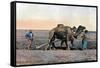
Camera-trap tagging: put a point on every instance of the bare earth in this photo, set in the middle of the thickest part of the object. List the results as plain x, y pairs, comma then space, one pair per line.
26, 57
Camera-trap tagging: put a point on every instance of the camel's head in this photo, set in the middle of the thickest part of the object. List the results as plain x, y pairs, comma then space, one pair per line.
79, 30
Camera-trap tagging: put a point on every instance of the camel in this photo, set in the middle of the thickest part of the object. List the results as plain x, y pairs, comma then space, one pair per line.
65, 34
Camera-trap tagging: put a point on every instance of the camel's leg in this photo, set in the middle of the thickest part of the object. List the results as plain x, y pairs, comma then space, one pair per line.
62, 43
51, 43
67, 46
72, 42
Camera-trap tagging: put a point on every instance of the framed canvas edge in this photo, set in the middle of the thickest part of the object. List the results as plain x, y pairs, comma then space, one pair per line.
13, 32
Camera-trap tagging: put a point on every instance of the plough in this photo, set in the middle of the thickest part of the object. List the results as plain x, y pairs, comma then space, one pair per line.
45, 45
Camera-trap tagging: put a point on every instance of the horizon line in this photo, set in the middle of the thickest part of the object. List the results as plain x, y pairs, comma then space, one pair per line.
42, 29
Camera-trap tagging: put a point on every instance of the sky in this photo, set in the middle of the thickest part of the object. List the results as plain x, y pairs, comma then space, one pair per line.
46, 17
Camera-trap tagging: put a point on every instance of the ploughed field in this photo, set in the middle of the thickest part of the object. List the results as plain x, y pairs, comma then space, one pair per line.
41, 38
26, 57
39, 55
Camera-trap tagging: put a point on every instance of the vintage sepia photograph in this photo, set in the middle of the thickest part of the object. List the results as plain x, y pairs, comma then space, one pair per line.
53, 34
